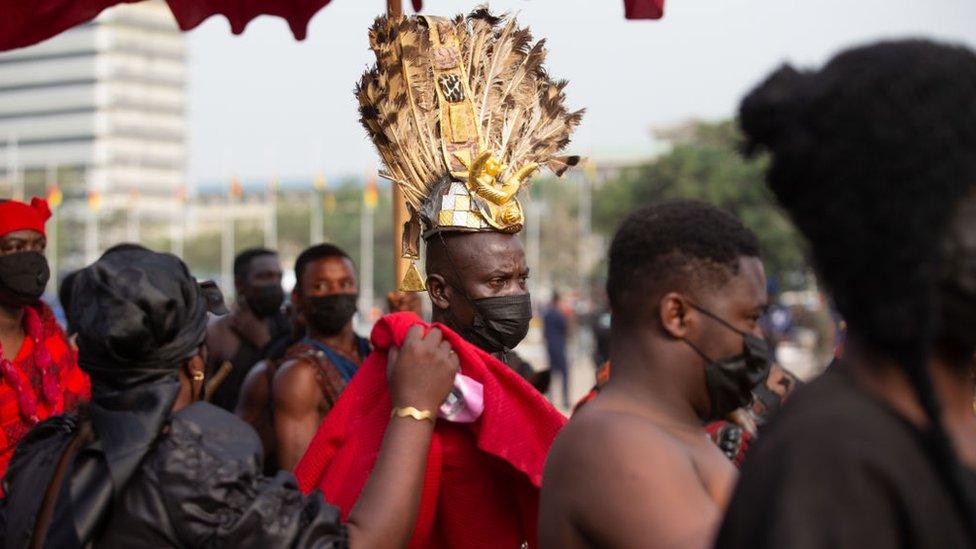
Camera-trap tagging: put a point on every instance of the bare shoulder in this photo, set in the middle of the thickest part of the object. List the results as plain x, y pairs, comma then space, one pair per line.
604, 473
605, 436
295, 384
254, 390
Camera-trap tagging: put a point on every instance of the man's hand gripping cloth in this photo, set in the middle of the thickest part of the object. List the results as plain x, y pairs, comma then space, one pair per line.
481, 485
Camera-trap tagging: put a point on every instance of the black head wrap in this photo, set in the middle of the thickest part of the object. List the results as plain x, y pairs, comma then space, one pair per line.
139, 315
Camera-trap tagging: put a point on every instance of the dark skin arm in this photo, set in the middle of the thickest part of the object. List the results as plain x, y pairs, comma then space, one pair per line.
298, 406
253, 405
640, 487
422, 375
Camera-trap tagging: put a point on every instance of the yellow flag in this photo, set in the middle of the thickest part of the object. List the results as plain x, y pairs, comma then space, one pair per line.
370, 196
94, 201
320, 183
55, 197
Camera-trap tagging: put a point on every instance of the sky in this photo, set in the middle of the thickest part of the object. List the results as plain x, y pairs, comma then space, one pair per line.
265, 105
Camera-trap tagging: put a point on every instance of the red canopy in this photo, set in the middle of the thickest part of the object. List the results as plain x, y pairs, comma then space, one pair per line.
26, 22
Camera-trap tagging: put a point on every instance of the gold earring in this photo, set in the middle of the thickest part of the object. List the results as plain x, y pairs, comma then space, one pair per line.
198, 376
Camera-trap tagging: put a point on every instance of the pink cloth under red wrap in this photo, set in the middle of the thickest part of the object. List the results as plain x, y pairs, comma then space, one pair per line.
481, 486
17, 216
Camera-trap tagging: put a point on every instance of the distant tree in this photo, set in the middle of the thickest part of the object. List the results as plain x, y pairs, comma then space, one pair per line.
704, 163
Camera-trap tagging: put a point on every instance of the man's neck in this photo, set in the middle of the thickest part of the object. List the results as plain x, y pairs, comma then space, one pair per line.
653, 392
11, 321
953, 386
344, 341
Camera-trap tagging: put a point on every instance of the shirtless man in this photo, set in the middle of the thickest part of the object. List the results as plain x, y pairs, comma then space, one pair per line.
317, 368
256, 319
634, 467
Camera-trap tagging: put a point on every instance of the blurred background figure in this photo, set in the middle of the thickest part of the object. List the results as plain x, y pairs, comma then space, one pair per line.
238, 341
556, 332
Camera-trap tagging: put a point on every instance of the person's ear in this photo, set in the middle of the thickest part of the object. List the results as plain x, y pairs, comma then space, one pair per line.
439, 291
675, 315
239, 286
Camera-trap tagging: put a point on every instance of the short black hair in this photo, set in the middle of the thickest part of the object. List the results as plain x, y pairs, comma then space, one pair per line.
674, 244
315, 253
871, 155
242, 263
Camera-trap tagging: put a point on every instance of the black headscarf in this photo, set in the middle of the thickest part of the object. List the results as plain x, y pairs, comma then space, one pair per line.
139, 315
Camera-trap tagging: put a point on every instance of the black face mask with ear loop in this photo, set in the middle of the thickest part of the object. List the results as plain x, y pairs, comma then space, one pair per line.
731, 381
500, 323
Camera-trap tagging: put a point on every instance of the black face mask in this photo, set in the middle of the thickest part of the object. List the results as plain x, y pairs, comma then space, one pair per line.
23, 277
500, 323
266, 300
730, 381
328, 314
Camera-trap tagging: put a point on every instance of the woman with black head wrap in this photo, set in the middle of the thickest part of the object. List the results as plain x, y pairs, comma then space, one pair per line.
874, 157
148, 464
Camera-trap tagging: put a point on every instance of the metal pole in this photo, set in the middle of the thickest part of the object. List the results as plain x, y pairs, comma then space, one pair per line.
177, 228
13, 168
91, 228
52, 233
316, 225
366, 259
271, 219
227, 248
132, 228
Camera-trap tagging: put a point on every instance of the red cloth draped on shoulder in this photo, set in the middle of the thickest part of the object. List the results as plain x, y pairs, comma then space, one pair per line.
482, 479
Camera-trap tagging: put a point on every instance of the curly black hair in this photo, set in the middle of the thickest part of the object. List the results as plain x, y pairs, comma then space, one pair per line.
242, 262
314, 253
673, 245
871, 155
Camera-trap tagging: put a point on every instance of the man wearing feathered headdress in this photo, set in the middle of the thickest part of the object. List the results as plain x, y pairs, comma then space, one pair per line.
462, 114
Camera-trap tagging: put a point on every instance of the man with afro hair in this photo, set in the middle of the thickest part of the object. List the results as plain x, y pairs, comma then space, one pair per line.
874, 157
634, 466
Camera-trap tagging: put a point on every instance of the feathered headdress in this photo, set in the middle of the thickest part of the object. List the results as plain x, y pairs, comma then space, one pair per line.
462, 113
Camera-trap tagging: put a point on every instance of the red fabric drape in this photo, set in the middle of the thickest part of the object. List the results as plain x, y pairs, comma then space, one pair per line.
26, 22
482, 479
644, 9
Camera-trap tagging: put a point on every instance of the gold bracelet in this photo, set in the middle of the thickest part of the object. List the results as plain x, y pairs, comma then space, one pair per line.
410, 411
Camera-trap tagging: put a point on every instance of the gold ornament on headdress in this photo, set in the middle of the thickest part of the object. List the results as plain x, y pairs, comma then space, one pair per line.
462, 114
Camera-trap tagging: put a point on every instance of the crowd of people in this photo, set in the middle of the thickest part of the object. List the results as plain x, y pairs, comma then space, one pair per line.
168, 419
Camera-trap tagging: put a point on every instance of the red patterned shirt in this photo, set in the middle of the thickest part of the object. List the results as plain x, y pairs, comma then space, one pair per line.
71, 384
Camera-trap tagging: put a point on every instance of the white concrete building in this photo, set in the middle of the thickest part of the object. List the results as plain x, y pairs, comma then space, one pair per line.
100, 109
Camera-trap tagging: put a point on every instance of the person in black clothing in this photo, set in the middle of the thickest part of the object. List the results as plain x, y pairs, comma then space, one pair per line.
874, 157
242, 337
147, 464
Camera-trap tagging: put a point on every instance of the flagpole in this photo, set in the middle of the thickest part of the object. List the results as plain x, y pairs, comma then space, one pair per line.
271, 220
227, 241
91, 227
317, 221
366, 245
52, 243
177, 229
